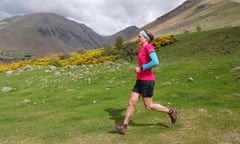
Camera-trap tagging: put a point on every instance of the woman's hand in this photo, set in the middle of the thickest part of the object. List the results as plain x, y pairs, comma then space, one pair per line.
137, 69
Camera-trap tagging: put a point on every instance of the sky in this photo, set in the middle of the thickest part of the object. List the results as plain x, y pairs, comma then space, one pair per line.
105, 17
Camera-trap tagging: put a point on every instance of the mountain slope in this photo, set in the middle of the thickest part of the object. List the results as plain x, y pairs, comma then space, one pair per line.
125, 33
197, 15
45, 34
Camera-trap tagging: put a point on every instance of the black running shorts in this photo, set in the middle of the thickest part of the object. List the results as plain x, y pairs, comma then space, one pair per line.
144, 87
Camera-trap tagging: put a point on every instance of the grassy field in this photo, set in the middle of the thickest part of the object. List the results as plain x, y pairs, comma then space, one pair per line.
80, 104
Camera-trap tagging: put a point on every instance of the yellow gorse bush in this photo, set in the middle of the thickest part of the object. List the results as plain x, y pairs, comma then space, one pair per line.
162, 41
90, 57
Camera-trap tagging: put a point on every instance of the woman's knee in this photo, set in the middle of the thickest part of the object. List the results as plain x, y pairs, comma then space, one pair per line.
147, 103
148, 106
132, 103
133, 100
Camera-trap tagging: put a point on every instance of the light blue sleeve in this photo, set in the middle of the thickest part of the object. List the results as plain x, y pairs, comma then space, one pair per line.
154, 61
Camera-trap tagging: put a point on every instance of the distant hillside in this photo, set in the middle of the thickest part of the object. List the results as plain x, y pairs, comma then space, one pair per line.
212, 43
125, 33
44, 34
197, 15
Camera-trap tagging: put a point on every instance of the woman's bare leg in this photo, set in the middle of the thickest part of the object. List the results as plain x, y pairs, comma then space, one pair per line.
158, 107
131, 105
154, 106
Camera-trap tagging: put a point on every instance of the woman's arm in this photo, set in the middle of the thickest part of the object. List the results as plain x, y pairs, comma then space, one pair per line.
154, 61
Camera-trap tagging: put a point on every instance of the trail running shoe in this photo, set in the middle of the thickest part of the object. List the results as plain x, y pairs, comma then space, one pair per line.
121, 129
173, 115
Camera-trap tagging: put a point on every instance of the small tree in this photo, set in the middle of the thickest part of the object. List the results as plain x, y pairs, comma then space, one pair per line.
119, 43
131, 50
109, 50
198, 28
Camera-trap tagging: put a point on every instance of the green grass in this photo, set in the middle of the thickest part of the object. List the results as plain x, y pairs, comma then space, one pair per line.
83, 103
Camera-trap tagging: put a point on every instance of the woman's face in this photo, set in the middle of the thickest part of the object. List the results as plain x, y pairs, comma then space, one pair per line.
141, 39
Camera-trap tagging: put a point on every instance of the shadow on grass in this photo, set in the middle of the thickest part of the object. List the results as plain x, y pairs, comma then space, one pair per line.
118, 117
146, 125
116, 114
